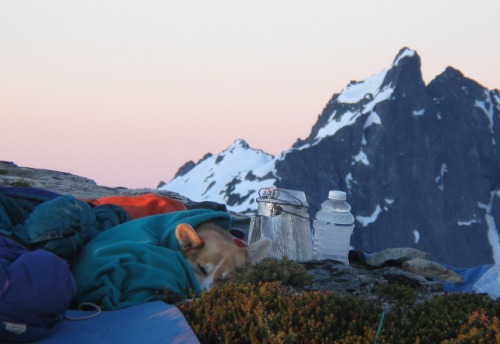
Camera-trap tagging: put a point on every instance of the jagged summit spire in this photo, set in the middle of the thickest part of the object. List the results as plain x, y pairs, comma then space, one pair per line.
405, 72
406, 57
404, 53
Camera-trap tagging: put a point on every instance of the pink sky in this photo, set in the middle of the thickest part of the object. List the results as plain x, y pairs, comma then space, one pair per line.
125, 92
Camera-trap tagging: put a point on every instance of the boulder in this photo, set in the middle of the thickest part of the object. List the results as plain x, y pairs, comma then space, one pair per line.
396, 255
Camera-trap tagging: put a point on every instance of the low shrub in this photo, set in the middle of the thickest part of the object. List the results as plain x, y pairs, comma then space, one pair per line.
269, 313
479, 328
285, 271
274, 311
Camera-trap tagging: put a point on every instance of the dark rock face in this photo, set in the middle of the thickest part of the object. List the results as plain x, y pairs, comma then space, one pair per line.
426, 176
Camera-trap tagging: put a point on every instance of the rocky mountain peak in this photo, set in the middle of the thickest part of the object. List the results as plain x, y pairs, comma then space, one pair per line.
239, 143
405, 75
230, 177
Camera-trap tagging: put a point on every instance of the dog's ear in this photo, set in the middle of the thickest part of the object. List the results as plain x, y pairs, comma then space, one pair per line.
258, 250
187, 238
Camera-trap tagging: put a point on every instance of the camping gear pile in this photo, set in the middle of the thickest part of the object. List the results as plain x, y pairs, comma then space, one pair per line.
57, 252
117, 254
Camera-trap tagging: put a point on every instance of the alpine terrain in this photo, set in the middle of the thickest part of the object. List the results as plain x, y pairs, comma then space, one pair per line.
420, 164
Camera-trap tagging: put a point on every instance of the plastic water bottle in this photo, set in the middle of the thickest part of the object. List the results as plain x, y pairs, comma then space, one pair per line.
333, 227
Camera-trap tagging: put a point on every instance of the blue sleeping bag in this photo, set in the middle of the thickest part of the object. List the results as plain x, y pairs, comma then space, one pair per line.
36, 288
63, 225
136, 262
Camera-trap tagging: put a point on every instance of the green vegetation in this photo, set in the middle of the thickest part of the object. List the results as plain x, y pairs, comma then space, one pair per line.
285, 271
272, 311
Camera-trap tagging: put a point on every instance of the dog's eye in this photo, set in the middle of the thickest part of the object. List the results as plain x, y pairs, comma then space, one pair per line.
202, 269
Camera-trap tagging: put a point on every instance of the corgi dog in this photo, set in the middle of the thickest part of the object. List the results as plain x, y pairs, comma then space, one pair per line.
212, 253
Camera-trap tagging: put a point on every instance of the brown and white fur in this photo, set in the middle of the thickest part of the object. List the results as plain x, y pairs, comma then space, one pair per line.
213, 254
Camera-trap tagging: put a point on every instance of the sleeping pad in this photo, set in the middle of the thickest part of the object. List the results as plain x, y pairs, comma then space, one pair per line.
137, 261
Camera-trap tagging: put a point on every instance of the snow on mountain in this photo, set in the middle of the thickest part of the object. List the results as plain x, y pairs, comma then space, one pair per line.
368, 92
232, 177
356, 91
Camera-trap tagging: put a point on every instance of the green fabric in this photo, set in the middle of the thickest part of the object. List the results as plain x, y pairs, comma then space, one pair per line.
16, 205
137, 261
65, 224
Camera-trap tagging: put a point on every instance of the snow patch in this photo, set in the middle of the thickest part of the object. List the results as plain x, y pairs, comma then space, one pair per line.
416, 234
355, 92
388, 203
467, 223
348, 181
366, 220
493, 236
440, 179
417, 113
335, 125
373, 118
349, 117
488, 107
383, 95
361, 157
406, 53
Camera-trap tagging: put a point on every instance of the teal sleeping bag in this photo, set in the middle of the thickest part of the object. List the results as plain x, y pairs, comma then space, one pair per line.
137, 261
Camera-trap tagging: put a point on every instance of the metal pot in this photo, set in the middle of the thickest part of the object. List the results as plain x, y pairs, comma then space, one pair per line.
283, 218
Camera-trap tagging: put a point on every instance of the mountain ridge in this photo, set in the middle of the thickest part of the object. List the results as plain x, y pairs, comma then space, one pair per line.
417, 162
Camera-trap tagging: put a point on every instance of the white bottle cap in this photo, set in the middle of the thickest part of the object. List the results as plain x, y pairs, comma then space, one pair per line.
337, 195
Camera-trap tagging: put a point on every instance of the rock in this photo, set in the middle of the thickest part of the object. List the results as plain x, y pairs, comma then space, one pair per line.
394, 255
67, 183
334, 276
363, 281
83, 188
431, 270
399, 266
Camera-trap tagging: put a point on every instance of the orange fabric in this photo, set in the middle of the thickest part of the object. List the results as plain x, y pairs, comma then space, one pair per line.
144, 205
